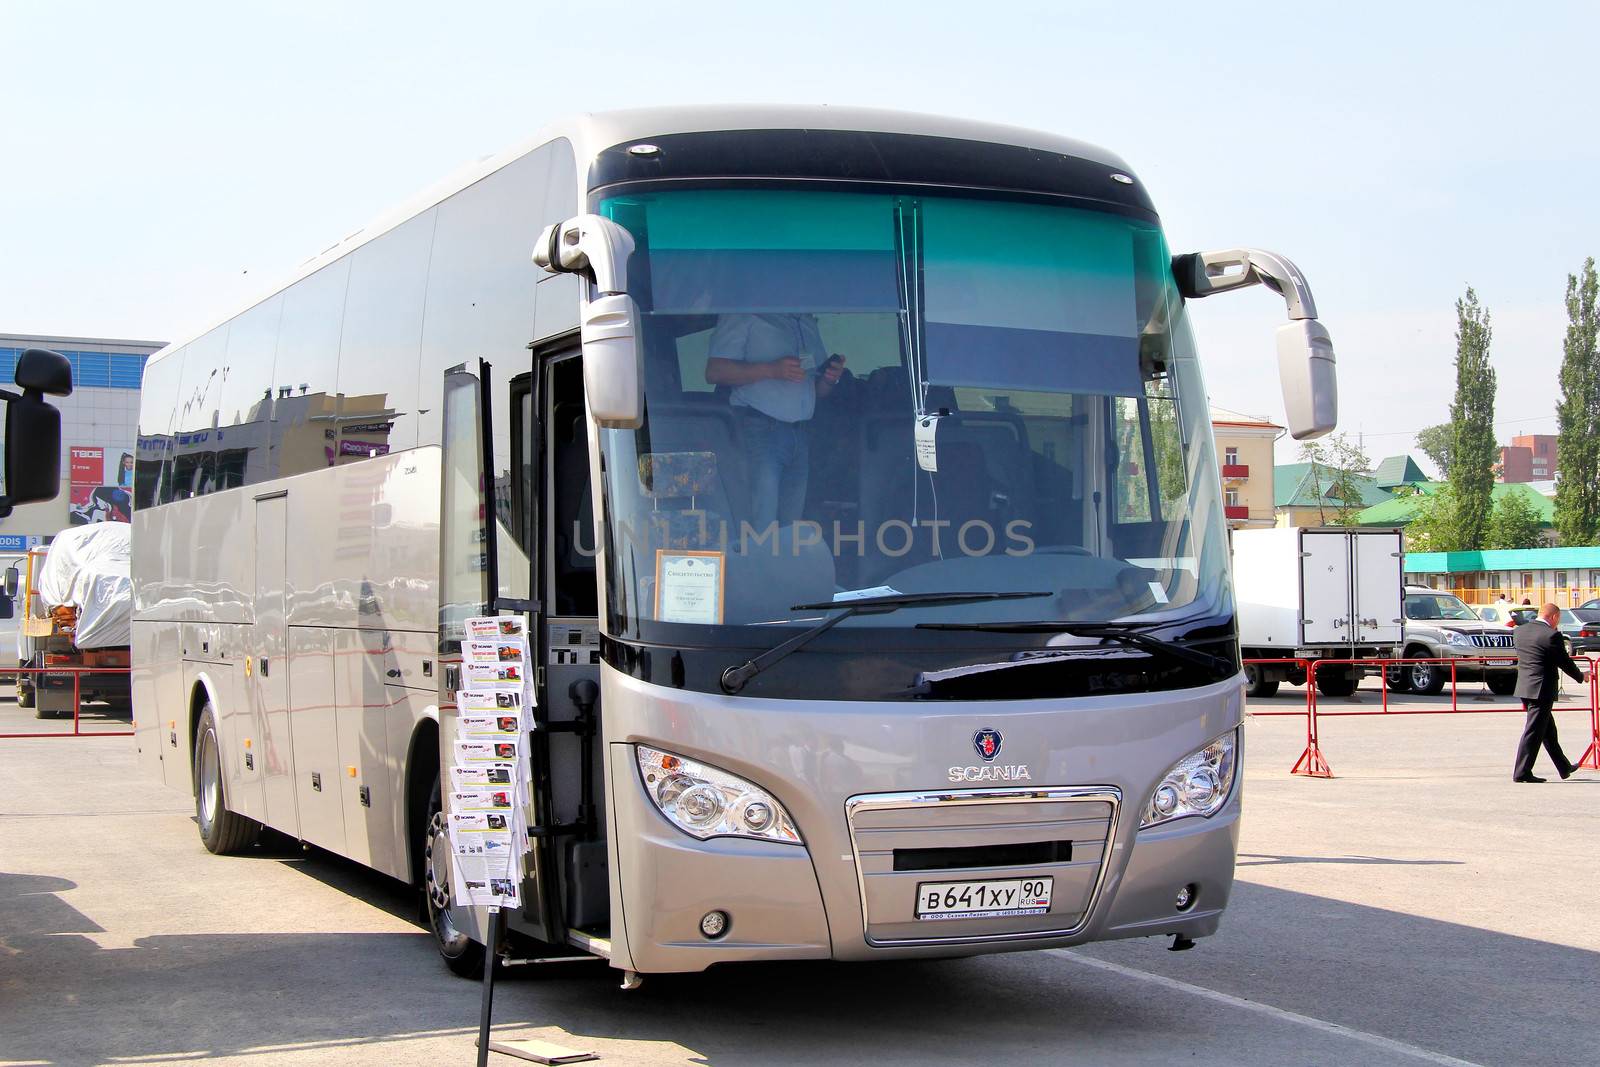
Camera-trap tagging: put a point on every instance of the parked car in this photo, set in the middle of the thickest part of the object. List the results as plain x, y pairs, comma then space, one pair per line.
1507, 614
1440, 626
1580, 626
1582, 629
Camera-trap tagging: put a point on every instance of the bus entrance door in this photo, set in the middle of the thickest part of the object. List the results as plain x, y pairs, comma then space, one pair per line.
572, 653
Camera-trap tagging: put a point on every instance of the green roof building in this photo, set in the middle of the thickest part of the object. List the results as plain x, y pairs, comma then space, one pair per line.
1396, 471
1400, 510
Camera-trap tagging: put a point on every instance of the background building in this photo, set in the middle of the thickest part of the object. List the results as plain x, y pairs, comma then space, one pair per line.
99, 425
1244, 447
1565, 576
1303, 493
1530, 457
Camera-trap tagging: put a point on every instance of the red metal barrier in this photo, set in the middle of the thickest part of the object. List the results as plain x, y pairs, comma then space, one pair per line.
77, 699
1313, 764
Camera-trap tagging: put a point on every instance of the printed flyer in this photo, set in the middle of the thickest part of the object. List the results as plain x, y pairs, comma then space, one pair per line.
489, 765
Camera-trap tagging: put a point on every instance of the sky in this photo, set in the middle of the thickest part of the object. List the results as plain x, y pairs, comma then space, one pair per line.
165, 162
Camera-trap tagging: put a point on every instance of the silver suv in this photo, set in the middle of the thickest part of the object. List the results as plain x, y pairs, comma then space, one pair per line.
1440, 626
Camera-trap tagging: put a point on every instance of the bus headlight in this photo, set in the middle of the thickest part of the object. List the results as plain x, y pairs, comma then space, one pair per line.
704, 802
1198, 784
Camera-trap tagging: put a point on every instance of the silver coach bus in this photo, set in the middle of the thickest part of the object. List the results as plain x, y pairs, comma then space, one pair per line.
854, 475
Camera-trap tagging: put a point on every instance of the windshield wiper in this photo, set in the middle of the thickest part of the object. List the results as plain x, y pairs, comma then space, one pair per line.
734, 678
1127, 633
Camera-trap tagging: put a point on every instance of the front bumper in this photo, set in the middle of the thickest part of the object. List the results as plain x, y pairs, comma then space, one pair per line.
849, 776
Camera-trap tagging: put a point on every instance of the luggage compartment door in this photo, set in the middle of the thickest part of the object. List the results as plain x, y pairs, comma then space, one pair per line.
1325, 590
1380, 592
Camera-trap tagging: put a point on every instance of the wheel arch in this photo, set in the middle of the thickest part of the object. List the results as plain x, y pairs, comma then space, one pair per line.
422, 764
203, 692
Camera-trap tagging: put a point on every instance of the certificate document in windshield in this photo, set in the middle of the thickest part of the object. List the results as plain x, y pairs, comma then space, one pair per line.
689, 586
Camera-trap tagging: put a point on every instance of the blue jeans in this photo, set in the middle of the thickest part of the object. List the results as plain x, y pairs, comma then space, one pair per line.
779, 467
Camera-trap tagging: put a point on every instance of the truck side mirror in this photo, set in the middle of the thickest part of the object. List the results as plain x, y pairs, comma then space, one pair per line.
613, 348
1306, 369
13, 582
32, 469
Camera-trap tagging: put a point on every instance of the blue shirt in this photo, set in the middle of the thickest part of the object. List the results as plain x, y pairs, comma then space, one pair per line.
766, 339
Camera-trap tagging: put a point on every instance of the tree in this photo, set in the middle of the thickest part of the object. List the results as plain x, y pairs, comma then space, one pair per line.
1578, 416
1514, 523
1432, 527
1436, 443
1343, 464
1472, 444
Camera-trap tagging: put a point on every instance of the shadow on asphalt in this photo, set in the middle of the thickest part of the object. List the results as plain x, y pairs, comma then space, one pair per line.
1456, 989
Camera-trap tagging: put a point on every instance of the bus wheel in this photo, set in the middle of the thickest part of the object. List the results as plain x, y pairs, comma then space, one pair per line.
1256, 685
462, 955
223, 831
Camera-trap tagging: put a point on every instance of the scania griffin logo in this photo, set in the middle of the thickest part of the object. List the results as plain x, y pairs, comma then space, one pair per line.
987, 741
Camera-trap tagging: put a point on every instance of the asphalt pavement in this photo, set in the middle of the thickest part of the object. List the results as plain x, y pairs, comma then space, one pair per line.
1417, 908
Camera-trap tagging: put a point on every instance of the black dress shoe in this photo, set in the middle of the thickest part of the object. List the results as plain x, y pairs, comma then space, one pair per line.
1569, 772
1529, 778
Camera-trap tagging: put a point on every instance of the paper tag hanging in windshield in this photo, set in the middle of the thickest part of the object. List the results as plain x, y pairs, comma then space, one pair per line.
927, 443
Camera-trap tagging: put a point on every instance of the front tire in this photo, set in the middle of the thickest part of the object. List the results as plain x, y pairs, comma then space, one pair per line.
1502, 684
222, 831
1427, 678
462, 955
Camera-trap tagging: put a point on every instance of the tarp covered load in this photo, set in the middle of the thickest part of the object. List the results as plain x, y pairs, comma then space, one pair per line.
87, 567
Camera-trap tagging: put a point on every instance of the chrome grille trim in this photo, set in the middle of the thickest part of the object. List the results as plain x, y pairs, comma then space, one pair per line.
1104, 794
1493, 640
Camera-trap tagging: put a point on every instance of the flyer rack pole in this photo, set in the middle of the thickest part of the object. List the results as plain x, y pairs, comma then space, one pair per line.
491, 939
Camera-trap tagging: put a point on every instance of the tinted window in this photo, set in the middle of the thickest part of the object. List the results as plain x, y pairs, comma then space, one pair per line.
306, 370
481, 284
196, 423
157, 400
382, 334
244, 422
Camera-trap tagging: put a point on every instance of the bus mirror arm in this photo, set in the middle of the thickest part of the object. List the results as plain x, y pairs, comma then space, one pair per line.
592, 245
1306, 368
613, 350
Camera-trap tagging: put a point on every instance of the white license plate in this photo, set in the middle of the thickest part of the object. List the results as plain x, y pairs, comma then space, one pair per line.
1499, 663
983, 900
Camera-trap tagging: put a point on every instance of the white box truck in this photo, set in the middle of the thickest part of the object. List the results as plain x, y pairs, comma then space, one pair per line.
1317, 593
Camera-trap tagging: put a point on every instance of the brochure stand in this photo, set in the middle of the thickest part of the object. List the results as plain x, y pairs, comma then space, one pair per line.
488, 802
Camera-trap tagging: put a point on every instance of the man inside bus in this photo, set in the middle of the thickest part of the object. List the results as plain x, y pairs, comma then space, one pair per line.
777, 367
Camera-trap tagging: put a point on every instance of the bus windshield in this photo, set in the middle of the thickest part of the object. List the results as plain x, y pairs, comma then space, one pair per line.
861, 395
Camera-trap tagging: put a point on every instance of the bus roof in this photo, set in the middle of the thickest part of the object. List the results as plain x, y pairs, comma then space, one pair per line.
593, 132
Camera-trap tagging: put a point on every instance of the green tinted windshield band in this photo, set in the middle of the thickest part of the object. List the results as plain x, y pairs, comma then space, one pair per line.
721, 251
1046, 293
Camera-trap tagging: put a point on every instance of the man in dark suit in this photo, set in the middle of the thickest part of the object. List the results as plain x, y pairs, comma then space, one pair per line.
1541, 651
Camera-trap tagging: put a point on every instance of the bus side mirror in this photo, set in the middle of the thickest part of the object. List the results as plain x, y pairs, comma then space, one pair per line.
13, 583
613, 348
33, 429
1306, 367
